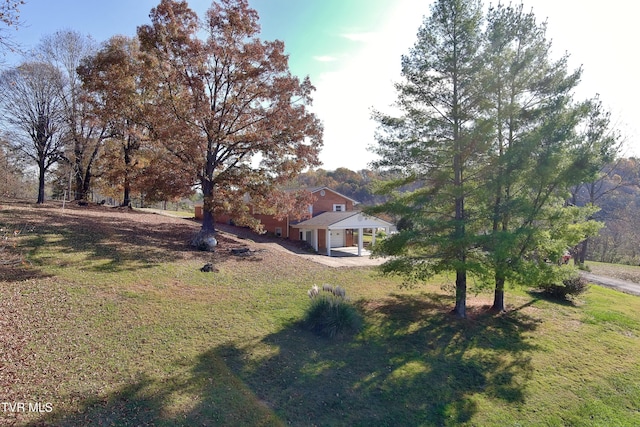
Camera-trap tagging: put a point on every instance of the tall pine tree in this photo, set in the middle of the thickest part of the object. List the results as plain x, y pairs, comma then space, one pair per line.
538, 150
435, 144
487, 144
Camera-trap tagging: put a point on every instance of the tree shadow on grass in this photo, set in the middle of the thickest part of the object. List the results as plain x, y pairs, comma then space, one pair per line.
20, 273
108, 243
208, 395
413, 364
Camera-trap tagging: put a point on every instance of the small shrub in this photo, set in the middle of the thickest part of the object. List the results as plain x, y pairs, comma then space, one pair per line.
570, 287
330, 313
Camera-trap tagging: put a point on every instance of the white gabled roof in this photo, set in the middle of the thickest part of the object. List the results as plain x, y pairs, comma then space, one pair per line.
343, 220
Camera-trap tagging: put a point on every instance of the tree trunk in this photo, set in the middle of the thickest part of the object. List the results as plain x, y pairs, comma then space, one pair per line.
86, 185
461, 273
498, 297
41, 181
460, 309
126, 200
78, 181
205, 239
82, 183
583, 251
208, 220
77, 186
88, 174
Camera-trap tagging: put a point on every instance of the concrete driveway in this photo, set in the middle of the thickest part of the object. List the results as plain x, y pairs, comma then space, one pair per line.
341, 257
344, 257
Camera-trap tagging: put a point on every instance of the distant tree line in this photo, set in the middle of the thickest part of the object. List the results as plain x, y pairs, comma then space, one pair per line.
358, 185
616, 192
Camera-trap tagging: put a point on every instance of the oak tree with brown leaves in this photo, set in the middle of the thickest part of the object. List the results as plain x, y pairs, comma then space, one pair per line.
111, 78
227, 107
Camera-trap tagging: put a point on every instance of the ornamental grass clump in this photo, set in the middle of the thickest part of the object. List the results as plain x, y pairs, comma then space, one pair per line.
331, 313
570, 287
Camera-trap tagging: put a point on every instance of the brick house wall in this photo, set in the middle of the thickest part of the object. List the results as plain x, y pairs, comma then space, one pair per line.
272, 225
326, 200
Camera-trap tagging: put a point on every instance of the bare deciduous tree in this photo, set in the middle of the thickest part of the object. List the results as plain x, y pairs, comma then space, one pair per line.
32, 114
9, 17
84, 135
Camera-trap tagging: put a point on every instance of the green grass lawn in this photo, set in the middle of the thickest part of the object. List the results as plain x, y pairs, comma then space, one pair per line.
112, 323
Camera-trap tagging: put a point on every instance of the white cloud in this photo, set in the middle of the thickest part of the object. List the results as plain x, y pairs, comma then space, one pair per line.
344, 97
325, 58
360, 37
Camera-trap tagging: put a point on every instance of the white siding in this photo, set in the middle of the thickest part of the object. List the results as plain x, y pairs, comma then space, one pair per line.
337, 238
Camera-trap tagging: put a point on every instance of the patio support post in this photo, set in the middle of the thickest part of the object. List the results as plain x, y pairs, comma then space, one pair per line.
373, 236
360, 240
328, 241
315, 239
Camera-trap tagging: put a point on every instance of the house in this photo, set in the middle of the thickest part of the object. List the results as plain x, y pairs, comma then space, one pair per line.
333, 221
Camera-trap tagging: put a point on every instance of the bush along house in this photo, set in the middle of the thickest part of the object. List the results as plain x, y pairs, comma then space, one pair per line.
334, 221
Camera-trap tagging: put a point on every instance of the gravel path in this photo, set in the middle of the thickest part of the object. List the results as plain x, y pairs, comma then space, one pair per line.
610, 282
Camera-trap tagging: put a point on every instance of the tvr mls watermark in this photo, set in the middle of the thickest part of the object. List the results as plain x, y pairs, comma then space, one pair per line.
39, 407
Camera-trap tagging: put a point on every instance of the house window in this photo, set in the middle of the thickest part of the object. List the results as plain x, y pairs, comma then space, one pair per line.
339, 208
279, 231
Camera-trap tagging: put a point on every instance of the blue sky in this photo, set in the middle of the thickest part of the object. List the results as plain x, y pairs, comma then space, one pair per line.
351, 50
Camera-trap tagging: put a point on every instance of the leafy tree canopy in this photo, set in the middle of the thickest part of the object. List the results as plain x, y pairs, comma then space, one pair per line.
226, 107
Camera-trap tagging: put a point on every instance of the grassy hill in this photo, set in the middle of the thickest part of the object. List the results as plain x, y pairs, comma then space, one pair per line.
110, 321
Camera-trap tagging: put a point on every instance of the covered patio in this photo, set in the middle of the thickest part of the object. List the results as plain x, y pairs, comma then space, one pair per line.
333, 229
